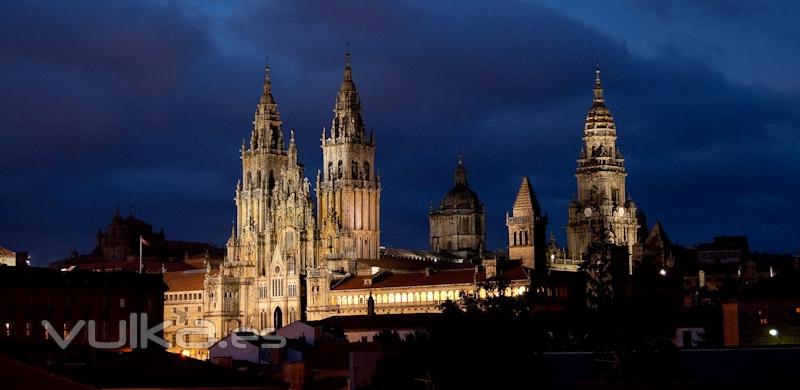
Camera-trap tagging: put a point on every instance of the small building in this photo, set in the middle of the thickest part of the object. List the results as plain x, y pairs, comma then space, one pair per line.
418, 291
117, 248
247, 347
183, 308
74, 302
767, 312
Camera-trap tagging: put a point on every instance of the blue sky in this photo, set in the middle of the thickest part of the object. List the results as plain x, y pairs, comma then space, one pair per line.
146, 104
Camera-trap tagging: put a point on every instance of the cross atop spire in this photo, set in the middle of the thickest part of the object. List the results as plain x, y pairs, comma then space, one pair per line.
598, 87
348, 122
461, 171
266, 65
348, 72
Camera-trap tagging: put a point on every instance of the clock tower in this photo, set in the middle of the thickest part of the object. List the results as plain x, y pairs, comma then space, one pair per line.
601, 197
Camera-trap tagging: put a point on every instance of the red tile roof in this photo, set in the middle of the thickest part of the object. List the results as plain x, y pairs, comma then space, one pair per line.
185, 280
452, 276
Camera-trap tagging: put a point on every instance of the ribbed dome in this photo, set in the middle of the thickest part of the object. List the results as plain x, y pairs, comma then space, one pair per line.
599, 116
461, 196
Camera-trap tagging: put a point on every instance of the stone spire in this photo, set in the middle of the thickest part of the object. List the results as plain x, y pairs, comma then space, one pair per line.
461, 172
599, 116
526, 198
292, 151
598, 87
348, 123
267, 122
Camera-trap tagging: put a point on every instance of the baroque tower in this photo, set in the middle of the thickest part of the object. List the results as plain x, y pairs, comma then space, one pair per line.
348, 189
601, 197
458, 226
526, 229
272, 242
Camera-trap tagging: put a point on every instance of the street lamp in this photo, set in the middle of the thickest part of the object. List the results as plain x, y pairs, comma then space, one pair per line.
773, 332
662, 272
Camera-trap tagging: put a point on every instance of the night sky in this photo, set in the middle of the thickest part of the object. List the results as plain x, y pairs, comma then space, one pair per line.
146, 104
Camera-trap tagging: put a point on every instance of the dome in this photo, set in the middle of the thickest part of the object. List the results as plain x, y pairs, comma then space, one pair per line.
461, 197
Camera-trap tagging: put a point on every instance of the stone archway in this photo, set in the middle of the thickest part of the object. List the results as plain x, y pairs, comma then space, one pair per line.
277, 318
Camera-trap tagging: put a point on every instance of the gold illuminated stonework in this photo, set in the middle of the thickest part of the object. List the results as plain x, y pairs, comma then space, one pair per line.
601, 198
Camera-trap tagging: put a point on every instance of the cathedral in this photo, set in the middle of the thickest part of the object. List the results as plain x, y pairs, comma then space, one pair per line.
293, 256
601, 203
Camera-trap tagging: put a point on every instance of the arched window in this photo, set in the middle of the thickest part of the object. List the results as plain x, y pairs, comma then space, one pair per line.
366, 170
526, 238
271, 183
515, 238
354, 169
330, 170
249, 179
277, 318
274, 142
290, 266
340, 170
258, 178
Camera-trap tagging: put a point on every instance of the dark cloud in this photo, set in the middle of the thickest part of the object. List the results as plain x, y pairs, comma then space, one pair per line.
147, 104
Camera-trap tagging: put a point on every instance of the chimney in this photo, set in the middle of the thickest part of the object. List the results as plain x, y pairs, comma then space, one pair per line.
428, 271
367, 282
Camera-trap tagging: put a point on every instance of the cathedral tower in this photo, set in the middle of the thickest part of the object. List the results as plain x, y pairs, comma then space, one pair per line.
526, 229
458, 226
272, 242
348, 188
601, 197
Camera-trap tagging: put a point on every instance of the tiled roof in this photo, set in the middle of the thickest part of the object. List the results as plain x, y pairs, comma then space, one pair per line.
5, 252
526, 199
185, 280
441, 277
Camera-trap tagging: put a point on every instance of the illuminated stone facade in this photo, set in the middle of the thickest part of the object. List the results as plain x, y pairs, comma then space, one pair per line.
259, 284
348, 189
458, 226
183, 307
396, 292
601, 198
526, 228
